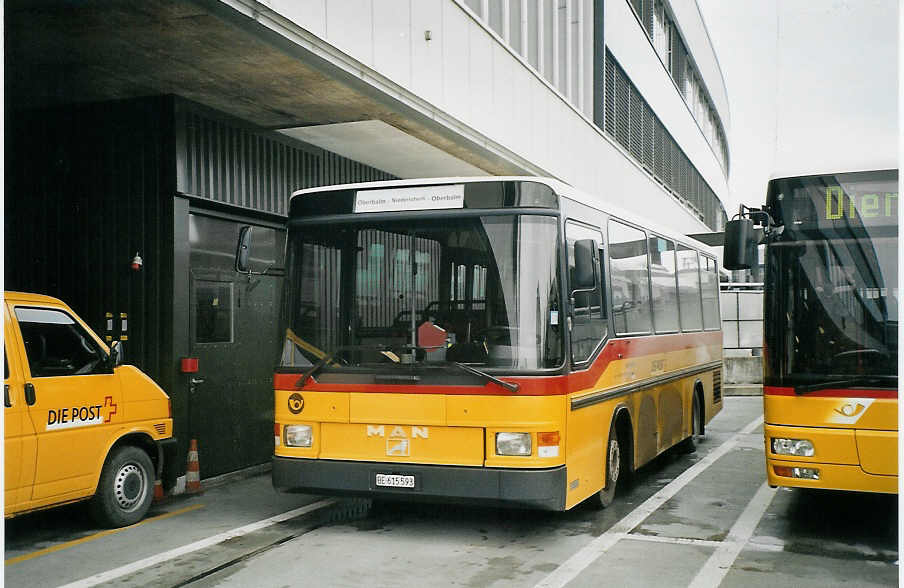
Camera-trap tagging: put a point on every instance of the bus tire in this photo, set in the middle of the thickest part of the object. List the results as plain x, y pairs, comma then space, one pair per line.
689, 445
125, 489
613, 470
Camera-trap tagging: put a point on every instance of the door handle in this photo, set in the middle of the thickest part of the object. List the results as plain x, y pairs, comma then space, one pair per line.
30, 397
6, 401
195, 381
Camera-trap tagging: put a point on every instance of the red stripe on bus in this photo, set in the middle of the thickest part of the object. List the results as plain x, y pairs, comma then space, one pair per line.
615, 350
830, 393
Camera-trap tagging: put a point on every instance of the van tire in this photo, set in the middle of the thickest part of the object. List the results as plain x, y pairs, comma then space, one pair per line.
126, 488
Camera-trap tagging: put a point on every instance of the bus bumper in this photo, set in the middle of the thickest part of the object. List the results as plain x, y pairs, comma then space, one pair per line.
831, 477
531, 488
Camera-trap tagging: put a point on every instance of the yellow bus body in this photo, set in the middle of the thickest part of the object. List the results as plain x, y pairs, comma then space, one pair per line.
459, 429
854, 438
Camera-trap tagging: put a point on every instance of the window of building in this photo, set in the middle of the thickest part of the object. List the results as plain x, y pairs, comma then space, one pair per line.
213, 312
629, 279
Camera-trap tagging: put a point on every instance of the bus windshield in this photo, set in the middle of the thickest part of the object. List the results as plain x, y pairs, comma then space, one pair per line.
833, 272
480, 290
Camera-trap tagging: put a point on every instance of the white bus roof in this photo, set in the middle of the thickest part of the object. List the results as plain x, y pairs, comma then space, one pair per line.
799, 172
559, 187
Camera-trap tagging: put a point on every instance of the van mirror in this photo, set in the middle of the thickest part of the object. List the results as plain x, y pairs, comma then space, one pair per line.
740, 240
115, 359
243, 249
586, 264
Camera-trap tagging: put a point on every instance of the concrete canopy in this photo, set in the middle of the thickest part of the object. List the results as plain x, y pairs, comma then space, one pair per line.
64, 51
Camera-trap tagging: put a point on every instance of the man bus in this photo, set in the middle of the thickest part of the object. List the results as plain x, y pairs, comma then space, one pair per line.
830, 327
505, 340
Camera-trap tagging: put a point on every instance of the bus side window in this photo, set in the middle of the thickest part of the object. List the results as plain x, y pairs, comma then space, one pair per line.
630, 279
588, 314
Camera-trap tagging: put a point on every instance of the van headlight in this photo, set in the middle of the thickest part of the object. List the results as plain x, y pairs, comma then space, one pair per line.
798, 447
299, 435
513, 444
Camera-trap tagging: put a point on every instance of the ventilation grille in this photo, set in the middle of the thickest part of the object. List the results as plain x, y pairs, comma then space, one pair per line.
717, 386
160, 428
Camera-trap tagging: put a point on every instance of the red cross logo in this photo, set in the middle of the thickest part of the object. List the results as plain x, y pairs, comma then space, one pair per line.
109, 408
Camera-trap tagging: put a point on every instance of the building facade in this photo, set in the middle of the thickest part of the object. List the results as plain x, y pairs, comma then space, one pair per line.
157, 129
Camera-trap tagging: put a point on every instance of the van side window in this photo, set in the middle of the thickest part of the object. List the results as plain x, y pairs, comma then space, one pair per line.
56, 345
630, 279
589, 320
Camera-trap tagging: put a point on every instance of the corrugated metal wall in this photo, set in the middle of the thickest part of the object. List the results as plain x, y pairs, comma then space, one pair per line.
84, 194
227, 161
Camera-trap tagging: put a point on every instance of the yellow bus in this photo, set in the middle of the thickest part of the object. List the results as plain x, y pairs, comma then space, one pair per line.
503, 340
830, 328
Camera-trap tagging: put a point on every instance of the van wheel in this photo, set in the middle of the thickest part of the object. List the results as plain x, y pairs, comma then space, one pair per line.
614, 468
124, 492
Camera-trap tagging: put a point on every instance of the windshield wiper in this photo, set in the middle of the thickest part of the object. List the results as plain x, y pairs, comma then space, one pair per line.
510, 386
858, 381
331, 355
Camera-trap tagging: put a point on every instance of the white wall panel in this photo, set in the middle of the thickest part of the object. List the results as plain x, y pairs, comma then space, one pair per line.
308, 14
427, 56
456, 62
392, 40
504, 122
480, 45
349, 27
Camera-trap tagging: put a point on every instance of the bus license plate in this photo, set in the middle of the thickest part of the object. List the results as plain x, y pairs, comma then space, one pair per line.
395, 481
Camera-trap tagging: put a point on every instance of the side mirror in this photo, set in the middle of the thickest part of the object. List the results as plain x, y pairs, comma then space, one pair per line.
115, 354
243, 250
740, 240
586, 265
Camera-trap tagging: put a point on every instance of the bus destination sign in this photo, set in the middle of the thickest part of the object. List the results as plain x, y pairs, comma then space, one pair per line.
852, 205
418, 198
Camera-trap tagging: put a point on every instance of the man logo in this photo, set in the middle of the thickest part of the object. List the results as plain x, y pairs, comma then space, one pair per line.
397, 448
296, 403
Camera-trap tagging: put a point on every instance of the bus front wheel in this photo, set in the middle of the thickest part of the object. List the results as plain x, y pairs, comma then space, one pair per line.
613, 471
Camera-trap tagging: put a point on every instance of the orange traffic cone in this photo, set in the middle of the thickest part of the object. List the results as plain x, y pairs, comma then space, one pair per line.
192, 470
158, 491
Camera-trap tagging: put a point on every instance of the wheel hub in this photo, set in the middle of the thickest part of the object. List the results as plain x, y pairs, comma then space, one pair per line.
129, 487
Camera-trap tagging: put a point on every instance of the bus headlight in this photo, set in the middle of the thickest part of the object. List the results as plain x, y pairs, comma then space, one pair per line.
299, 436
798, 447
513, 444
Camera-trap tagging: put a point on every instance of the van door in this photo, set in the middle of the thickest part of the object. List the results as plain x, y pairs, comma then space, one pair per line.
19, 435
76, 400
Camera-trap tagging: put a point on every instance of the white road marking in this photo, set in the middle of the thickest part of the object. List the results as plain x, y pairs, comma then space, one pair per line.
196, 546
716, 567
578, 562
702, 542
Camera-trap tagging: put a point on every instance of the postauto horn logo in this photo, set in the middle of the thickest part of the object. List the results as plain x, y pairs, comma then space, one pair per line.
296, 403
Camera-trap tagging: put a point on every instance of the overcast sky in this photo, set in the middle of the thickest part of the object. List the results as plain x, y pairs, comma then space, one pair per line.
812, 85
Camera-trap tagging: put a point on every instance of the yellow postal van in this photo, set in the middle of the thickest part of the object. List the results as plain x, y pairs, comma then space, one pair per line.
79, 425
